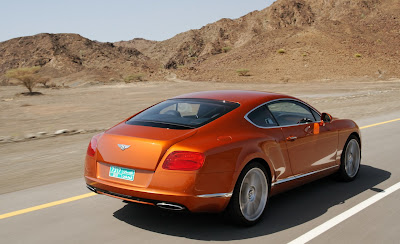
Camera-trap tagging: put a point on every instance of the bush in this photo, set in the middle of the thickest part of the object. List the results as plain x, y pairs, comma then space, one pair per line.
4, 82
28, 76
43, 81
52, 85
133, 77
243, 72
226, 49
281, 50
357, 55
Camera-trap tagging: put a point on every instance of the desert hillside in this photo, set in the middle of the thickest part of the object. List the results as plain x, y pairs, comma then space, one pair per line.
74, 57
292, 40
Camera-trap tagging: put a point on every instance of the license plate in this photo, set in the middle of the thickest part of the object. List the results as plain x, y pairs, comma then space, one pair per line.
122, 173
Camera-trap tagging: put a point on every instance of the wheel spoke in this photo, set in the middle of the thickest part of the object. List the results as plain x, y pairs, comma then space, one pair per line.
251, 209
245, 207
351, 166
258, 184
257, 200
253, 179
352, 148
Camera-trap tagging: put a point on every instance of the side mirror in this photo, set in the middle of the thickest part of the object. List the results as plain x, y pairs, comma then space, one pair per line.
325, 117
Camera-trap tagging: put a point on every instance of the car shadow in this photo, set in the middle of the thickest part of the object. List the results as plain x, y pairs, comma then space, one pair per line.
284, 211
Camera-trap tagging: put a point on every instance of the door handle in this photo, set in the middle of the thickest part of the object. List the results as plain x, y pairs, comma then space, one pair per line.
291, 138
308, 130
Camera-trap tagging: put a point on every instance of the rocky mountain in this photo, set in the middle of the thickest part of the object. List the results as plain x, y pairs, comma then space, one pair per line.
75, 57
292, 40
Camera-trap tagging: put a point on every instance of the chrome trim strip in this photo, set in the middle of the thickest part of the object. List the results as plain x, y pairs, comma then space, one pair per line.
301, 176
280, 126
215, 195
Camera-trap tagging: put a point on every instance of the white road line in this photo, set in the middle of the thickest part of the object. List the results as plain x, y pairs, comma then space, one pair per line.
345, 215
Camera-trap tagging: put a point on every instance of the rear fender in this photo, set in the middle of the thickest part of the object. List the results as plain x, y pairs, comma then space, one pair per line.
251, 156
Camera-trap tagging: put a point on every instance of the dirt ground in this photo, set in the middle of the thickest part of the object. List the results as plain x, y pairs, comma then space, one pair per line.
42, 161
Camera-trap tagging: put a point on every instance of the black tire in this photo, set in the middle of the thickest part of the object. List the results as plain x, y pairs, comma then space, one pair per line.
350, 161
236, 207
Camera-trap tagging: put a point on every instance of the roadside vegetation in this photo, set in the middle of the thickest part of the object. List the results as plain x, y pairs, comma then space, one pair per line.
243, 72
28, 77
281, 51
226, 49
134, 78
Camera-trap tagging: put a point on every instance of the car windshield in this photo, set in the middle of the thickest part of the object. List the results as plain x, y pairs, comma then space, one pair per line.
183, 113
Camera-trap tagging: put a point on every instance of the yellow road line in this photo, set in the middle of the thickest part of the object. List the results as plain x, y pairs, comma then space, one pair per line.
71, 199
381, 123
46, 205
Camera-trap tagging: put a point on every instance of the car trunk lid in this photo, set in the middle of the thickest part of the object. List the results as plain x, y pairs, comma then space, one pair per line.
138, 147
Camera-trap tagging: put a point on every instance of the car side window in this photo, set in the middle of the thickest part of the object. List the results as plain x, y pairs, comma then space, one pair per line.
291, 112
262, 117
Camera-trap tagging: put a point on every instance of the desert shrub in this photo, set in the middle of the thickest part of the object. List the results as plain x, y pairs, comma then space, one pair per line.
52, 85
357, 55
243, 72
134, 78
190, 51
43, 81
28, 76
4, 82
226, 49
171, 64
281, 50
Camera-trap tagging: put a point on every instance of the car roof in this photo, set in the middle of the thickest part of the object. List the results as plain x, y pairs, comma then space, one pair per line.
239, 96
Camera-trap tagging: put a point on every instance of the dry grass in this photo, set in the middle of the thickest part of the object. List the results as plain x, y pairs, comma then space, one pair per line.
243, 72
134, 78
282, 51
226, 49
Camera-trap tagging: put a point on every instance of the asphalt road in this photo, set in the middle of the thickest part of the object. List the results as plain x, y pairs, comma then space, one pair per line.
289, 216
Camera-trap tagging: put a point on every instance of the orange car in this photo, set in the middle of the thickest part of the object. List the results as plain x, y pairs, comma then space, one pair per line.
221, 151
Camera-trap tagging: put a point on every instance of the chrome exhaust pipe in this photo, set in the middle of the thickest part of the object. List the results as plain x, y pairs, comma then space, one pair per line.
91, 188
170, 206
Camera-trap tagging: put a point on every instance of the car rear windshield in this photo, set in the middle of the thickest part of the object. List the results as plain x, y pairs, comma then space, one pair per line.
183, 113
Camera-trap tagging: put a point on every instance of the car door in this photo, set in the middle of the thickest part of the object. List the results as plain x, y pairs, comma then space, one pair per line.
311, 147
273, 143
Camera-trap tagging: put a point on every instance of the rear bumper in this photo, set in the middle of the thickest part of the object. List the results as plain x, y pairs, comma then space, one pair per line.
161, 198
161, 204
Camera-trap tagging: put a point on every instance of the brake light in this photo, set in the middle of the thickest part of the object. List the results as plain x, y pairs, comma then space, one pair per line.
91, 150
182, 160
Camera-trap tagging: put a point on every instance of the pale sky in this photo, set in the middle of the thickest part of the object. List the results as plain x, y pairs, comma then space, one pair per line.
117, 20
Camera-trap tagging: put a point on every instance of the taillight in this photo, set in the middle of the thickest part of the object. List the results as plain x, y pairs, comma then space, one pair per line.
182, 160
91, 150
